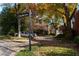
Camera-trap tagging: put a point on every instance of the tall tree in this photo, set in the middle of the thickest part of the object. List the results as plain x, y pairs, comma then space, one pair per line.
8, 21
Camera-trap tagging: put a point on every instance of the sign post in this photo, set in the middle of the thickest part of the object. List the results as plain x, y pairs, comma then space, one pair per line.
30, 25
19, 15
30, 30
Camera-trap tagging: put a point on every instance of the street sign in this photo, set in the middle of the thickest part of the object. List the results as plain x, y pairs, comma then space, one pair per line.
23, 14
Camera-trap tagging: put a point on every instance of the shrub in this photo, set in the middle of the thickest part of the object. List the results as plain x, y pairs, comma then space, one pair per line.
60, 36
68, 36
76, 40
11, 32
40, 32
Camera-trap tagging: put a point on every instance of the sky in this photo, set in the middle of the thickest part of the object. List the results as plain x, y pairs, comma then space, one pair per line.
0, 9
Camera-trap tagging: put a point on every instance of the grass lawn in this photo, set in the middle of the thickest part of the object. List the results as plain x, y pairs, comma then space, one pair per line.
3, 37
47, 51
8, 37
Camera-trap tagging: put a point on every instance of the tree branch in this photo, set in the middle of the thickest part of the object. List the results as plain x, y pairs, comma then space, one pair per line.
59, 11
73, 13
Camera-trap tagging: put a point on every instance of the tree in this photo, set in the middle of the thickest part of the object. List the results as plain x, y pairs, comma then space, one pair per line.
8, 21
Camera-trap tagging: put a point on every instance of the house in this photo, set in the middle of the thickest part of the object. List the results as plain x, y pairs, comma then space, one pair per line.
40, 28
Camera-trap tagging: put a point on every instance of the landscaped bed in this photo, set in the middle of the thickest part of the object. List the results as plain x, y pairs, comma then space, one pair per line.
47, 51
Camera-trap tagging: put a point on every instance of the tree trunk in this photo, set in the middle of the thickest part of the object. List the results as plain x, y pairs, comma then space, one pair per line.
68, 31
68, 26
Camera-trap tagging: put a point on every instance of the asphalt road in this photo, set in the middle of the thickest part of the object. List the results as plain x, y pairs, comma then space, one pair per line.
9, 48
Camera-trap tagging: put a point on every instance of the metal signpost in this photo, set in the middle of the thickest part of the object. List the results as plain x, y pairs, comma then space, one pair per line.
30, 25
19, 15
30, 30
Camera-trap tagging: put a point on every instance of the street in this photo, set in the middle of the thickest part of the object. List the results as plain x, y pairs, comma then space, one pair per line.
8, 48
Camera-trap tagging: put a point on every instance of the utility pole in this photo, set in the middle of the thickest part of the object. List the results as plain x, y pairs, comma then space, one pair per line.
30, 29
